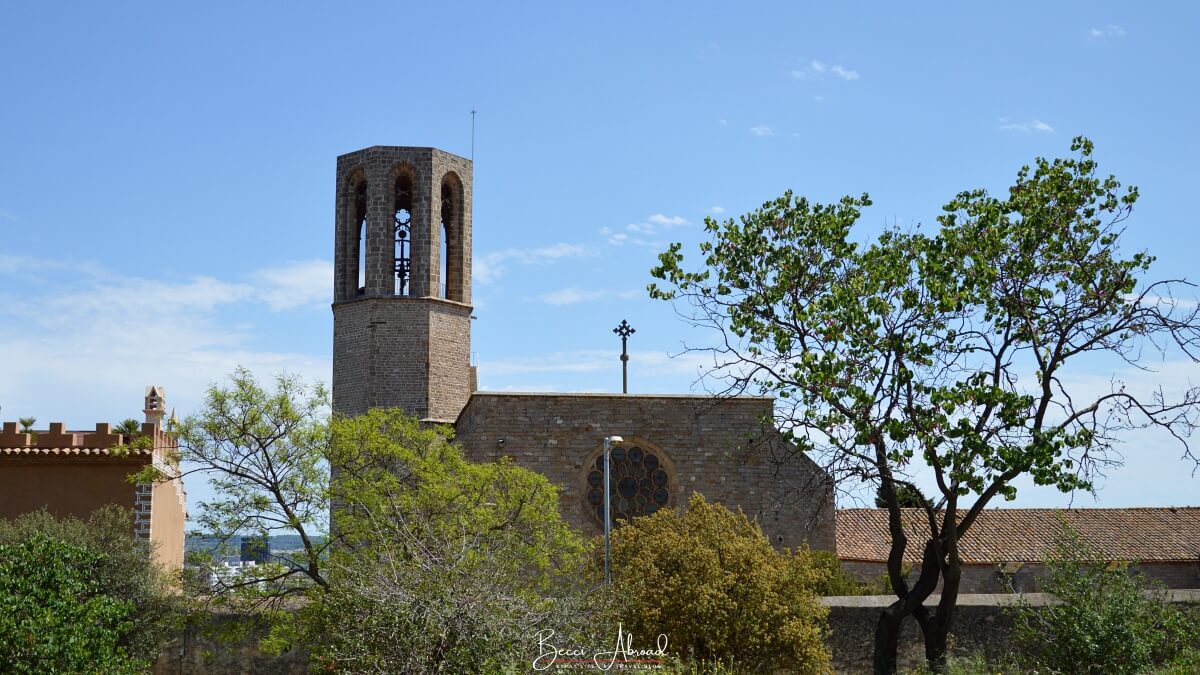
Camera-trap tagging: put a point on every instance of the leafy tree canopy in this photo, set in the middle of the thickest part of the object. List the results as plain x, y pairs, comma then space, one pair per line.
1105, 619
54, 615
120, 568
951, 351
265, 454
443, 565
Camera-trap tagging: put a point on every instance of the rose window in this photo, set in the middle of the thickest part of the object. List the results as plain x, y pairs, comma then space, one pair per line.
640, 483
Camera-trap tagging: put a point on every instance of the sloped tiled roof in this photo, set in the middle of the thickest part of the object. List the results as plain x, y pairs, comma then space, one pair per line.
1028, 535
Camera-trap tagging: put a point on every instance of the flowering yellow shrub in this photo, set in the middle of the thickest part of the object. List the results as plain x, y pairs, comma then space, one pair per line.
710, 580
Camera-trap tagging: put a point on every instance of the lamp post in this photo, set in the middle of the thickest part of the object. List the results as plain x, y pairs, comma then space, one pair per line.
609, 441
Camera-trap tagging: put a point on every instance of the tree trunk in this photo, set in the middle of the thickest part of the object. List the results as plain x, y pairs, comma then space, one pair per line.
887, 631
936, 634
936, 631
887, 636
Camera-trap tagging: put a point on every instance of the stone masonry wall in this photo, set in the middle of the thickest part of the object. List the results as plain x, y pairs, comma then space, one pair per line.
981, 626
410, 353
1027, 577
718, 449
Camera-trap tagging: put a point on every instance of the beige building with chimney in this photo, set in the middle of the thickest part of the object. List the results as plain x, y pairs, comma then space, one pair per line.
73, 473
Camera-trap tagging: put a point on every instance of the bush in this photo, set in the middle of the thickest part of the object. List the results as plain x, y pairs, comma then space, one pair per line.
837, 581
54, 615
710, 580
443, 565
120, 569
1105, 620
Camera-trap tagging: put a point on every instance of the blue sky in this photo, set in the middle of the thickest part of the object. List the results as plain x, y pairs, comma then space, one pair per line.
166, 171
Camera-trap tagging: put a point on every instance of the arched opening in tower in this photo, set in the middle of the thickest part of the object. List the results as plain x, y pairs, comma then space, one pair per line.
360, 238
451, 253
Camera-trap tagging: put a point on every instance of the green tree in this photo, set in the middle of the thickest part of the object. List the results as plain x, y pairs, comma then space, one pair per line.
130, 427
710, 581
432, 564
265, 455
122, 568
909, 497
1104, 620
443, 565
27, 427
55, 616
948, 350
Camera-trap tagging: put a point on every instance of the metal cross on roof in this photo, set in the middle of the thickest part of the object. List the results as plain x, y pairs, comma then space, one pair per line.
624, 330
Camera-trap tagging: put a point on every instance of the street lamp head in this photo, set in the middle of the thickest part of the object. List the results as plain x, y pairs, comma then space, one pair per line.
615, 440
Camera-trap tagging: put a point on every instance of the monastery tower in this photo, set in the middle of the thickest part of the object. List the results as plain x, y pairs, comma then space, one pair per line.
402, 282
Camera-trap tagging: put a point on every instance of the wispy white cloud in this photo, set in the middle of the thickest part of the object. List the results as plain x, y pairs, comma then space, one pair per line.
819, 70
572, 296
723, 122
296, 284
91, 340
666, 221
293, 285
762, 130
716, 210
1112, 30
491, 266
844, 73
622, 238
1025, 127
30, 265
639, 234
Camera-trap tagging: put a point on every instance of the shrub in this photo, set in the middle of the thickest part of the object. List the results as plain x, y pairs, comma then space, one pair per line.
54, 615
837, 581
443, 565
121, 569
710, 580
1105, 621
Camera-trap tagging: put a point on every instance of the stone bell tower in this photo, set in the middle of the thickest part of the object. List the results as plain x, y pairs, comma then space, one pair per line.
402, 282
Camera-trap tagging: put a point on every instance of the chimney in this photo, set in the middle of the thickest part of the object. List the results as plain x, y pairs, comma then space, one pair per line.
156, 405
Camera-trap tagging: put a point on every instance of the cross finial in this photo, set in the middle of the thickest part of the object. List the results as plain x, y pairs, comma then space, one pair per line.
624, 330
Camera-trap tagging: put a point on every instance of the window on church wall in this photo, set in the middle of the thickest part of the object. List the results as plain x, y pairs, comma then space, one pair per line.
640, 481
402, 208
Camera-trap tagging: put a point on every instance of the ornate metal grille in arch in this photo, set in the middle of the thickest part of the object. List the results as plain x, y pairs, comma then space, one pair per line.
403, 257
640, 484
403, 203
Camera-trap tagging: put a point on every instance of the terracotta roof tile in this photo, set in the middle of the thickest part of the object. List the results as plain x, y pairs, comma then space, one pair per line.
1027, 535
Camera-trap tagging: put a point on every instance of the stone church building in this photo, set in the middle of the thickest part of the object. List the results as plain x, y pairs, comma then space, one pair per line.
402, 338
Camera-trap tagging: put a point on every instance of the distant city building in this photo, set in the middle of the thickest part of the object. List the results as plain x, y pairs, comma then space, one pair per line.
255, 549
73, 473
